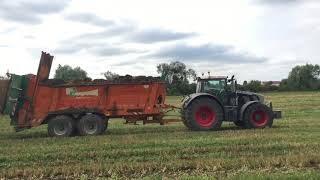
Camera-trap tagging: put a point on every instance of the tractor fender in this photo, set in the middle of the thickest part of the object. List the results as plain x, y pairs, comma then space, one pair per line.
190, 98
244, 108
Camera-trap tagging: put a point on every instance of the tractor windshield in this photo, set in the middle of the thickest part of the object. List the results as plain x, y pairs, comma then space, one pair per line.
211, 85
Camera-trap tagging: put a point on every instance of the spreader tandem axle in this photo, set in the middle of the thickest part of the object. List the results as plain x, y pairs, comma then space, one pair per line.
84, 107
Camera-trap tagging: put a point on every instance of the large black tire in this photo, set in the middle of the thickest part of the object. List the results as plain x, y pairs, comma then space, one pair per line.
258, 115
203, 114
61, 126
91, 124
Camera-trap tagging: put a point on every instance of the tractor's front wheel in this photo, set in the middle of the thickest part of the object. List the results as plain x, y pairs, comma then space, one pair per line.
258, 116
203, 114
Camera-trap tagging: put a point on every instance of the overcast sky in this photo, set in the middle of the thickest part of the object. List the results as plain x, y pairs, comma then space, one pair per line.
253, 39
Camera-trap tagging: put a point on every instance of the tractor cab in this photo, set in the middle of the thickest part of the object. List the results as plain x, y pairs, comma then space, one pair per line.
219, 86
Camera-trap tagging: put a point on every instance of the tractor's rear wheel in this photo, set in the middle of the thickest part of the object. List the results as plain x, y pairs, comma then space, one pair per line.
258, 116
91, 124
203, 114
61, 126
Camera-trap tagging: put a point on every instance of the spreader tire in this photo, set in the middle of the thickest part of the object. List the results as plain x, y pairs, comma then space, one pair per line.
203, 114
91, 124
61, 126
258, 116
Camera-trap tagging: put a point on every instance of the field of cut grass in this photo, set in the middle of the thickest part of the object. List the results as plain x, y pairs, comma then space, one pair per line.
289, 150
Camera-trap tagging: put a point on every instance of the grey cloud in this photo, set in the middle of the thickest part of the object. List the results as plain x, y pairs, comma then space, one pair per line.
123, 32
207, 52
98, 49
130, 33
111, 51
107, 33
89, 18
157, 35
29, 11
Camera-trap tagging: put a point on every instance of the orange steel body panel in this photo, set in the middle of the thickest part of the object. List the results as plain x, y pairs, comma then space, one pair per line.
112, 100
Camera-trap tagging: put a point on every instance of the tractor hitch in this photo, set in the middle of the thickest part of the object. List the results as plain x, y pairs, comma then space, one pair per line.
277, 114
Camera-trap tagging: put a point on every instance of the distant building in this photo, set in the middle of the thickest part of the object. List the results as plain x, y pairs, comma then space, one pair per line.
272, 83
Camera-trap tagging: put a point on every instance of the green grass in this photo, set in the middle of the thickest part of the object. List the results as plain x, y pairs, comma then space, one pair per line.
289, 150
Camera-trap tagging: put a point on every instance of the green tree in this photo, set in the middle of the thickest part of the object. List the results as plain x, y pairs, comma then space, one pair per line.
268, 86
284, 85
177, 76
68, 73
254, 86
175, 72
305, 77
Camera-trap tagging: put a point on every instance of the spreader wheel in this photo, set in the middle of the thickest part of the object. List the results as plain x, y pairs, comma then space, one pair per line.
61, 126
91, 124
203, 114
258, 116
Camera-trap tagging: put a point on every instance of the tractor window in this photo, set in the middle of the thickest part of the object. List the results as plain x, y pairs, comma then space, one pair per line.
218, 84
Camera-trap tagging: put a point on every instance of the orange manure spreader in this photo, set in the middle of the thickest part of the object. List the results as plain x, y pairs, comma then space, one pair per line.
82, 107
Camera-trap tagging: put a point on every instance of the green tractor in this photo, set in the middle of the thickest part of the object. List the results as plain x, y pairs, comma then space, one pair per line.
217, 99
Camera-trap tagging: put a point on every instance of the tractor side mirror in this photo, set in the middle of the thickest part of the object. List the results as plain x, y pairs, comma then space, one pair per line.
232, 78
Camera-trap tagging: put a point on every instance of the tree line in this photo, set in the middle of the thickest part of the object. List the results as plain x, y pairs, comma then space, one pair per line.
180, 80
301, 78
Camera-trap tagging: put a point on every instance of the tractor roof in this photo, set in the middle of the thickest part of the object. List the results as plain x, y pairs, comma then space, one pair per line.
212, 77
